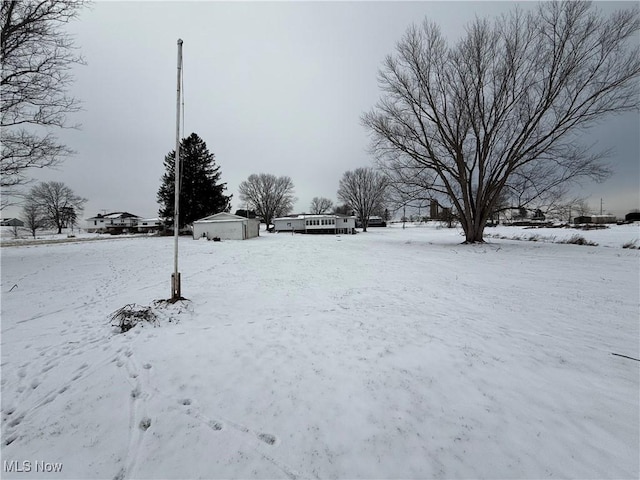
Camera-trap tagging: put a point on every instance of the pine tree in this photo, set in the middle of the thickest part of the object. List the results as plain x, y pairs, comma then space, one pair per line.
200, 193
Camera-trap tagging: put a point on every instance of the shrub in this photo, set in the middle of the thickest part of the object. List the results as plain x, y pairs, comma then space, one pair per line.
579, 240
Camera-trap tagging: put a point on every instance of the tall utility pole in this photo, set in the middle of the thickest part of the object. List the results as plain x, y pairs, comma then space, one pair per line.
175, 277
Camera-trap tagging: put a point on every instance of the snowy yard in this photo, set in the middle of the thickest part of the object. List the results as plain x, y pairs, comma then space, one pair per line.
390, 354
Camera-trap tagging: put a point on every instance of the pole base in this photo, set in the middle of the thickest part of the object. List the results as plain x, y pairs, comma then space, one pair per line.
175, 288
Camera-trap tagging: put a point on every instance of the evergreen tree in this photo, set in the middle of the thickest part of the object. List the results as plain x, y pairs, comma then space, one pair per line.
200, 193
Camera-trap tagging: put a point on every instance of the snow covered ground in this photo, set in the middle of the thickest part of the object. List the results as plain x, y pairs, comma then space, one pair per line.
390, 354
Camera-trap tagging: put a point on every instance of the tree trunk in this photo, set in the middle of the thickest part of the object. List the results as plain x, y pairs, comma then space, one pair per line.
474, 234
473, 227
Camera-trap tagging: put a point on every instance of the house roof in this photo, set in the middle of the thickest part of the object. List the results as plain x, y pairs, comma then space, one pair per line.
223, 217
12, 222
303, 216
114, 215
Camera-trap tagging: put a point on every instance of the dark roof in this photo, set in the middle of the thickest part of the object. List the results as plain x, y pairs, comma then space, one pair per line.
114, 215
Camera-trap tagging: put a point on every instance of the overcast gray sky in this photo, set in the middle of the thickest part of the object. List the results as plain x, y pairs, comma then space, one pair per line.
271, 87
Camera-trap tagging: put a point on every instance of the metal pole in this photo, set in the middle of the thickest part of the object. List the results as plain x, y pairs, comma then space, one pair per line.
175, 279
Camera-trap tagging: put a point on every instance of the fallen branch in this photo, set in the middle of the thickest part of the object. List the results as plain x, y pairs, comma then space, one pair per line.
625, 356
130, 315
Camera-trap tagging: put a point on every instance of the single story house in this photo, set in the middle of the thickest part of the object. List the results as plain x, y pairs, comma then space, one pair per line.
12, 222
324, 223
226, 226
115, 222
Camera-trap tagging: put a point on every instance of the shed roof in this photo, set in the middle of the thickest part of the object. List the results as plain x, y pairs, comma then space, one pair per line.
223, 217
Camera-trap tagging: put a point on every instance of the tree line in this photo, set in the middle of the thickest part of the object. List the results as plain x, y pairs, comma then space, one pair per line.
489, 122
202, 193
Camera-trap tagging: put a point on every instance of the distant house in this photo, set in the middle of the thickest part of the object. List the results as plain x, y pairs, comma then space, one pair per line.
374, 221
114, 223
597, 219
632, 217
323, 223
11, 222
226, 226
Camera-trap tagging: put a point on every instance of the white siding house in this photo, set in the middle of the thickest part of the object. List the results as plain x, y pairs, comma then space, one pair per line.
226, 226
149, 224
327, 223
116, 222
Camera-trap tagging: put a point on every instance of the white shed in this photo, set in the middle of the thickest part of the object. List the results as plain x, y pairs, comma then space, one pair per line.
226, 226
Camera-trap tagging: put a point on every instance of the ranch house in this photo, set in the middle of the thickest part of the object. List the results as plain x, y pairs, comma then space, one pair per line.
325, 223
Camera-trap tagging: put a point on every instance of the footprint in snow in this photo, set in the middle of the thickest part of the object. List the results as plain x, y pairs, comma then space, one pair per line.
145, 423
47, 368
185, 401
16, 421
215, 425
267, 438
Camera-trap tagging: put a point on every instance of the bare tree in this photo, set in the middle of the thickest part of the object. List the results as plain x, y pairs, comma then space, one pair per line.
57, 203
320, 205
37, 56
269, 196
33, 217
363, 189
507, 102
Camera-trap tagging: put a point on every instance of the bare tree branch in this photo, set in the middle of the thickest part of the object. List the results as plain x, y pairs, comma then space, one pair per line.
56, 203
320, 205
268, 195
363, 189
37, 57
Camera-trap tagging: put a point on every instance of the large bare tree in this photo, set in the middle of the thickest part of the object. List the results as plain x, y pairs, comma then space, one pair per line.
507, 103
269, 196
37, 56
320, 205
56, 202
363, 189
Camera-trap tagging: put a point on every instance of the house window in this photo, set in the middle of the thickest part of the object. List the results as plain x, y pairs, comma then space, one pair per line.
95, 222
